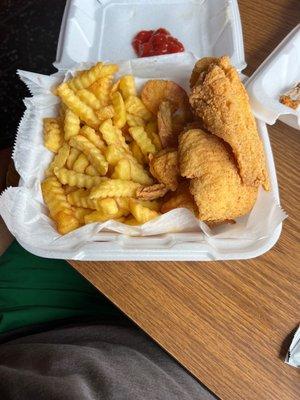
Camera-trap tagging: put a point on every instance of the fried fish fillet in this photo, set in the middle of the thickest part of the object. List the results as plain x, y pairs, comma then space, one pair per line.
200, 67
164, 167
196, 154
216, 185
220, 100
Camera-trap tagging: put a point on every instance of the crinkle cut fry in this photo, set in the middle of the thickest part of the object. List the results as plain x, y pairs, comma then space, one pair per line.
101, 89
93, 137
140, 136
71, 124
92, 153
141, 213
80, 198
89, 98
85, 113
59, 160
115, 188
81, 163
72, 178
53, 135
59, 208
85, 78
126, 169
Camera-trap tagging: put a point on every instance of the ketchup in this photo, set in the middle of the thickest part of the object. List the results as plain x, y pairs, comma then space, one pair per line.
155, 43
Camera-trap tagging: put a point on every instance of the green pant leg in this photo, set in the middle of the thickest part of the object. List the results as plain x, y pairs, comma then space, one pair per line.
35, 290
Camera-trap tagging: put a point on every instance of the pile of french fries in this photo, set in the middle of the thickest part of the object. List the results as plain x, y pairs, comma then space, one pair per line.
101, 142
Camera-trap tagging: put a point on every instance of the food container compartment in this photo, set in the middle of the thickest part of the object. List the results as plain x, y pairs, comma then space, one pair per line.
28, 219
277, 74
95, 30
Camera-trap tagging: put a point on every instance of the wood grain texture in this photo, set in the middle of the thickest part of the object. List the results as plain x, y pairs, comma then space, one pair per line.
228, 323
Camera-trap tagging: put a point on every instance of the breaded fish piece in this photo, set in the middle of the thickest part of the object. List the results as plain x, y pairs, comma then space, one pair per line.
200, 67
217, 187
220, 100
197, 156
164, 167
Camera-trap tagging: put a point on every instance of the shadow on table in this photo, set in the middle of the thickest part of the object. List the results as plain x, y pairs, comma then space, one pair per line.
286, 343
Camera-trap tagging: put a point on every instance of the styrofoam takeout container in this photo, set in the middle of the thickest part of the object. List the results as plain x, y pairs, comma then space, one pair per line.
277, 74
94, 30
102, 30
181, 246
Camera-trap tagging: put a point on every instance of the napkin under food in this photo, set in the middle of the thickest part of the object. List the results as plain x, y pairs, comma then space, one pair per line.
23, 209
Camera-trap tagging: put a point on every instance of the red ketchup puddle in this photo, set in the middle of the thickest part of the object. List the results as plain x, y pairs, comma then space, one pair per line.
156, 43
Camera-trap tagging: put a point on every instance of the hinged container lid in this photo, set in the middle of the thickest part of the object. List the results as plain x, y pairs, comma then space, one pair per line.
277, 74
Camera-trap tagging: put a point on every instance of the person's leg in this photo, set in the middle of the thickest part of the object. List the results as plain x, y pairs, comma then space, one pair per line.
36, 290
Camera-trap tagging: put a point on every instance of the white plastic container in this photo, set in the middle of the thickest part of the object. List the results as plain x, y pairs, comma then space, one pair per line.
186, 246
277, 74
93, 30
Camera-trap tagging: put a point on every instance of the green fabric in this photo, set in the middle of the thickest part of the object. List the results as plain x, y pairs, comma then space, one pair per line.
36, 290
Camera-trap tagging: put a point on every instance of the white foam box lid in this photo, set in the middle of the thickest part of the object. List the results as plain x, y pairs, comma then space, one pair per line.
95, 30
277, 74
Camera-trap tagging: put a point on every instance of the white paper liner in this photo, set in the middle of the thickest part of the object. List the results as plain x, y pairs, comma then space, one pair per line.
23, 209
293, 355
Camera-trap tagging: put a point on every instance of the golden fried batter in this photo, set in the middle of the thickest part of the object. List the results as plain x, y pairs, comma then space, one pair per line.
200, 67
164, 124
197, 155
158, 90
152, 192
216, 185
164, 167
291, 98
220, 100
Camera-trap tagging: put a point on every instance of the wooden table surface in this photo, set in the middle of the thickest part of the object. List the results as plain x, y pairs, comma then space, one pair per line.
229, 323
